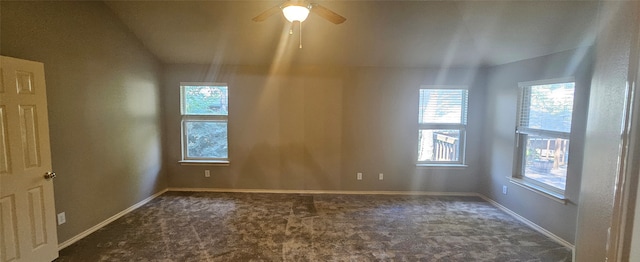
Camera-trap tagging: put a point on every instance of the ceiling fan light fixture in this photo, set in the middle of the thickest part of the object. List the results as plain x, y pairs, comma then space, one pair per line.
295, 13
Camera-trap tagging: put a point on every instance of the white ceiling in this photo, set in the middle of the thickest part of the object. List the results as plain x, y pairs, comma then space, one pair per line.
376, 33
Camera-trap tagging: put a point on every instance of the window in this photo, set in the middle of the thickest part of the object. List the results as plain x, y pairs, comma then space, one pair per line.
542, 133
205, 114
442, 122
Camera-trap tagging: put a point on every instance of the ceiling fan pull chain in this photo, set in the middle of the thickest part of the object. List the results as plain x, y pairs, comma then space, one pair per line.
300, 34
291, 29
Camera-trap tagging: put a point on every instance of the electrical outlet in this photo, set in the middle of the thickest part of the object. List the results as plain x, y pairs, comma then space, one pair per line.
62, 218
504, 190
207, 173
359, 176
380, 176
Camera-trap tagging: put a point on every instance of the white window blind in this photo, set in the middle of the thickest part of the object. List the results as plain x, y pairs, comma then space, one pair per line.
547, 107
443, 106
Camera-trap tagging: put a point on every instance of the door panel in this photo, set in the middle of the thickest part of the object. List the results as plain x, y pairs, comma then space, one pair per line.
24, 82
36, 217
5, 164
29, 134
9, 227
27, 218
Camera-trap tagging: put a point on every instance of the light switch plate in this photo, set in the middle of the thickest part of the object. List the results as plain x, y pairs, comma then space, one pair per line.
62, 218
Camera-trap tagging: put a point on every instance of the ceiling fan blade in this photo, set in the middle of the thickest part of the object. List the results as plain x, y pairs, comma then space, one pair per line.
327, 14
266, 14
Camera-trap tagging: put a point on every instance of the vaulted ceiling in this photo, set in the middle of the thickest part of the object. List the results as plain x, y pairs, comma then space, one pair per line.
376, 33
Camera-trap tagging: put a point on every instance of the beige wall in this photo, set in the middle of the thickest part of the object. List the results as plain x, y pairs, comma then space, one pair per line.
499, 138
104, 111
315, 128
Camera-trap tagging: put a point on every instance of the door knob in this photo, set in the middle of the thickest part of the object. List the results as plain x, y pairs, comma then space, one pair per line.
50, 175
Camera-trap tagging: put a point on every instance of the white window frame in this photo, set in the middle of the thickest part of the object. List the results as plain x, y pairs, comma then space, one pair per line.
462, 126
521, 133
194, 118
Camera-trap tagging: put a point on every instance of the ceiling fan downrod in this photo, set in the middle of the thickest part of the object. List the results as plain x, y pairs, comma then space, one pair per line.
300, 35
300, 32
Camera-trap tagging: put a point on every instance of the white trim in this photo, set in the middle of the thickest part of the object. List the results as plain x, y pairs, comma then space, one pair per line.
108, 220
184, 118
461, 126
529, 223
551, 81
204, 162
464, 87
555, 196
542, 132
431, 165
203, 84
328, 192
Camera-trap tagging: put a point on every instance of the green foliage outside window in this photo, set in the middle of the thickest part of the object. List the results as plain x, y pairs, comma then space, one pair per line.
206, 100
207, 139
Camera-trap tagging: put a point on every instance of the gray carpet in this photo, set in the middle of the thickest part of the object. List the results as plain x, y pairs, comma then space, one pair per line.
181, 226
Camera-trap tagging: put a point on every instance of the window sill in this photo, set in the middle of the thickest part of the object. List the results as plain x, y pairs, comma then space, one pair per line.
204, 163
421, 165
560, 198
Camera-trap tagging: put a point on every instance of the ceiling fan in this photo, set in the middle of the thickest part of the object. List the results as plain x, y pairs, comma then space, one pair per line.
298, 10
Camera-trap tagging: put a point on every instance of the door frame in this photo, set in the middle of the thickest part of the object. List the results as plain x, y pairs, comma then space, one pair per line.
628, 175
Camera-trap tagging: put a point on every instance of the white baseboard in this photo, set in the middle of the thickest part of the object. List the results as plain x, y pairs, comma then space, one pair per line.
108, 220
529, 223
334, 192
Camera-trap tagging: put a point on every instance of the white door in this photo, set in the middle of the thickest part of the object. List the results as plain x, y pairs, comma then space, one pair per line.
27, 213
